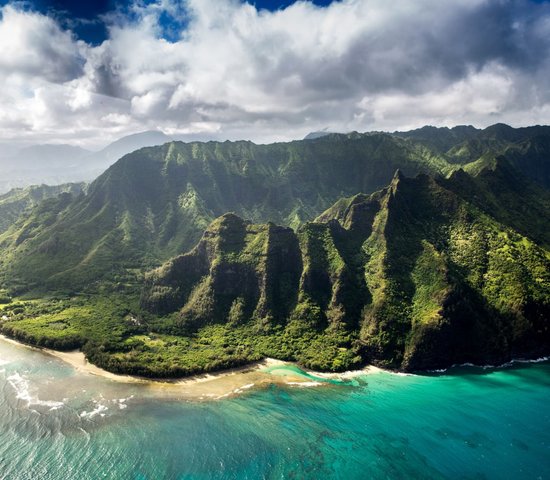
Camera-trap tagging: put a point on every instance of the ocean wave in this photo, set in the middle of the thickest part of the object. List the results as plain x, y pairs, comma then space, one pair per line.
99, 410
534, 360
489, 366
121, 402
23, 392
305, 384
246, 387
243, 388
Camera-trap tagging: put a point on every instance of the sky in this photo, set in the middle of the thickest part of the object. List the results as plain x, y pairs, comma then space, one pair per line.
87, 73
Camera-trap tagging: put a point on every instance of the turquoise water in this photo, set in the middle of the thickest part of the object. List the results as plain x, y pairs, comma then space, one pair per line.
469, 423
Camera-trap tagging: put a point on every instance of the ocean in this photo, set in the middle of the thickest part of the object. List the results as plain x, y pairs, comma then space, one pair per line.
466, 423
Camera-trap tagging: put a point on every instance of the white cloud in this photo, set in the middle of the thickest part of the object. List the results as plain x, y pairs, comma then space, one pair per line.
244, 73
481, 95
33, 45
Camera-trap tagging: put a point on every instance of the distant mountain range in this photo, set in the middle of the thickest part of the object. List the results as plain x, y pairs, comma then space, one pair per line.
445, 261
57, 164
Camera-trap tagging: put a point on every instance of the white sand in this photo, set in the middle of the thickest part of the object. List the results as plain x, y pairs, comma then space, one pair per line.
206, 386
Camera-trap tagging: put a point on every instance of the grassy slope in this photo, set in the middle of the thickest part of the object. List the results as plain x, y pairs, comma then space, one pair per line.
156, 202
16, 202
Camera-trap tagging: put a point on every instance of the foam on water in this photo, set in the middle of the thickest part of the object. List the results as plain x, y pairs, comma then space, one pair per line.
22, 389
98, 410
121, 402
305, 384
492, 367
468, 423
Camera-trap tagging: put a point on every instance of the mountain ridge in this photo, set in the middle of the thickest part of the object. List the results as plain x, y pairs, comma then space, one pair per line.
159, 199
423, 302
156, 201
425, 273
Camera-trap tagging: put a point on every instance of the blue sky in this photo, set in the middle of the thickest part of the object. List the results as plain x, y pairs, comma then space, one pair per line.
85, 17
89, 72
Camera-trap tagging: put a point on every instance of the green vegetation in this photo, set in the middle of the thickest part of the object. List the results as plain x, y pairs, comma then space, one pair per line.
16, 202
156, 202
69, 323
411, 277
429, 271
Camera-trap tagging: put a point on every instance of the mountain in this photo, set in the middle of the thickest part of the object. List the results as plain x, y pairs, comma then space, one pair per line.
155, 202
500, 191
17, 201
527, 149
412, 277
56, 164
415, 276
531, 155
447, 267
112, 152
39, 164
440, 139
54, 156
318, 134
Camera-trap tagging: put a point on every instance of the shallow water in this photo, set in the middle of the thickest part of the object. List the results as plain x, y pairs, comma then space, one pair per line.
468, 423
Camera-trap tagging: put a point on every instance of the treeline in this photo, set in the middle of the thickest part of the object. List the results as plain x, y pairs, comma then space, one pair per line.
65, 344
105, 357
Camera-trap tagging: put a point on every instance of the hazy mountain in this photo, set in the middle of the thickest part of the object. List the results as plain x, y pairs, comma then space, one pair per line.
54, 156
112, 152
56, 164
318, 134
39, 164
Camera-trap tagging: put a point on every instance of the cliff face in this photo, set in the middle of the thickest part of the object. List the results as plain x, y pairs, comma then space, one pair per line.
415, 276
237, 272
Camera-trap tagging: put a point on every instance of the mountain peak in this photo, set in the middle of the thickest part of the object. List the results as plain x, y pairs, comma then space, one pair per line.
398, 175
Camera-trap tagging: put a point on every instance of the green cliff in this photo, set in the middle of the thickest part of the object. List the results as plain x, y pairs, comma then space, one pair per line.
412, 277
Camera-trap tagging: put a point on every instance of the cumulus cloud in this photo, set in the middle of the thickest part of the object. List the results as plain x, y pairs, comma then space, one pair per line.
235, 72
34, 45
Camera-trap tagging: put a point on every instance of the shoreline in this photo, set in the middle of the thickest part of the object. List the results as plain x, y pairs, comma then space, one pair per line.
233, 381
213, 385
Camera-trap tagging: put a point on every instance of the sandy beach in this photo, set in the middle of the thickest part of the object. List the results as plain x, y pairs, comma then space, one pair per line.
209, 385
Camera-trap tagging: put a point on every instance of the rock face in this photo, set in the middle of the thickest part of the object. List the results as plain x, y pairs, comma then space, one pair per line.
236, 272
416, 276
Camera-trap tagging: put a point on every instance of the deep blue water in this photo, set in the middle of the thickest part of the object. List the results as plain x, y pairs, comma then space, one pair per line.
468, 423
